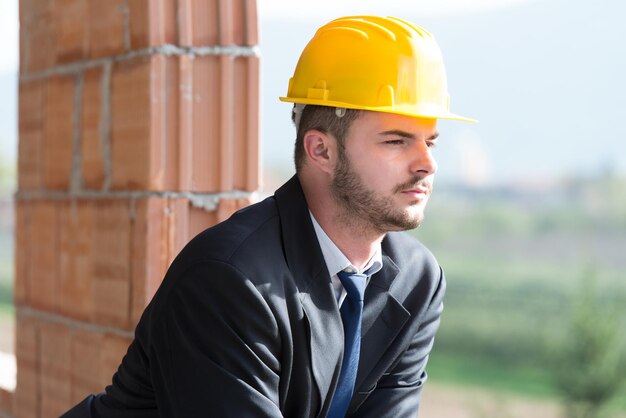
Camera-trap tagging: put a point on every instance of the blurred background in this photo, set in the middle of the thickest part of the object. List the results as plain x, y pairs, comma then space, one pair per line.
528, 218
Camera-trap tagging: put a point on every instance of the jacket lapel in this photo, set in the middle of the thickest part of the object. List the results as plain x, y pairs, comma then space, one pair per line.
326, 335
383, 317
308, 268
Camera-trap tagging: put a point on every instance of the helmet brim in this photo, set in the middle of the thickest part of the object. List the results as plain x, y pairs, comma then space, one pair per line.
398, 110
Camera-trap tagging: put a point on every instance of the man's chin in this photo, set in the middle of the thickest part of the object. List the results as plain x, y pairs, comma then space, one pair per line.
407, 222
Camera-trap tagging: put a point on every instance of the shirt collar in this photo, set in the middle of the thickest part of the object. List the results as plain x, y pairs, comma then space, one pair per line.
336, 261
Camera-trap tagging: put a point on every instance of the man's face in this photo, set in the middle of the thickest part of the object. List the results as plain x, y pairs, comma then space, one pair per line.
383, 177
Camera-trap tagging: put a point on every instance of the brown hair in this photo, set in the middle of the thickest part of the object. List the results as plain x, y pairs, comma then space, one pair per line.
323, 119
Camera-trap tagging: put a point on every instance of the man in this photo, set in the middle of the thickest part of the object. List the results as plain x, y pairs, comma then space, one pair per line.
310, 303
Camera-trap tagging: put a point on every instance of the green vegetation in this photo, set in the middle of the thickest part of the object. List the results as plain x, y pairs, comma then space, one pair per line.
6, 271
457, 369
589, 361
513, 263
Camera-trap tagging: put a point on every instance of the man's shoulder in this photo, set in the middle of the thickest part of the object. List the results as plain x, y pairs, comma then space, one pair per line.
254, 225
419, 276
408, 253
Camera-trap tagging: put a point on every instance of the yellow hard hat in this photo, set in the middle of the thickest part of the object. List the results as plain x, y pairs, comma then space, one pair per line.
374, 63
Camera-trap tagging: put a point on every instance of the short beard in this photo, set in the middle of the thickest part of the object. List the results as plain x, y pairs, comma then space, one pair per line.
361, 208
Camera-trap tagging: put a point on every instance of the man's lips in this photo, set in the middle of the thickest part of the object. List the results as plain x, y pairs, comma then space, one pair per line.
414, 187
416, 192
417, 189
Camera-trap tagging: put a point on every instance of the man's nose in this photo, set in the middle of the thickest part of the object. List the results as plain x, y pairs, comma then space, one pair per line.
423, 161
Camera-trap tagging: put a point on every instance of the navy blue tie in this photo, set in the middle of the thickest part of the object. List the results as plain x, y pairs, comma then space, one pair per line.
351, 315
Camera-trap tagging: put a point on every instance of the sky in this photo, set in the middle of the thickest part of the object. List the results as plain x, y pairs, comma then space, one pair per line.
9, 33
9, 61
327, 9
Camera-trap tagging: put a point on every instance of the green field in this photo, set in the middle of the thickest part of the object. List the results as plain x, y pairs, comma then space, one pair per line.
516, 269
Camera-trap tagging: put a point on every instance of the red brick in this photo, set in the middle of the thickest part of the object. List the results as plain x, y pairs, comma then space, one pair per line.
130, 124
38, 35
55, 369
32, 99
227, 123
28, 387
172, 116
6, 402
184, 13
214, 22
233, 22
23, 244
178, 228
198, 22
149, 252
164, 159
185, 122
58, 139
160, 230
71, 18
114, 347
245, 93
26, 11
141, 30
239, 162
86, 349
112, 303
107, 29
200, 219
43, 281
229, 30
207, 108
152, 23
224, 151
76, 264
238, 22
92, 164
253, 130
227, 207
205, 22
112, 258
252, 22
23, 58
145, 124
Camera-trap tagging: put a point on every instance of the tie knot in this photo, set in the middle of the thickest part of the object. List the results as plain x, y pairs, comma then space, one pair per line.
354, 283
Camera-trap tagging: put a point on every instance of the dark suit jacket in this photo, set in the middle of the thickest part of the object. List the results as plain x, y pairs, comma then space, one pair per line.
245, 324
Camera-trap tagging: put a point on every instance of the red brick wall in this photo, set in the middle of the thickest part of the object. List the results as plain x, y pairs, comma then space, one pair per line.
138, 127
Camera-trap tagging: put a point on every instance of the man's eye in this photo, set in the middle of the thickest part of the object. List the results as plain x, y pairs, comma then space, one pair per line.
395, 142
431, 144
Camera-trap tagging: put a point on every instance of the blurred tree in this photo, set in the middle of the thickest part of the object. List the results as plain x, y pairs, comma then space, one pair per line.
589, 364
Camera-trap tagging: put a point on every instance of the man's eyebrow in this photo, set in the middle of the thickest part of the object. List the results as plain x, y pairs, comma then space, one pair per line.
404, 134
398, 132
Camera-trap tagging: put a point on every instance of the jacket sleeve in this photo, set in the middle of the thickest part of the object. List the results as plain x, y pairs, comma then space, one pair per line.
208, 345
397, 393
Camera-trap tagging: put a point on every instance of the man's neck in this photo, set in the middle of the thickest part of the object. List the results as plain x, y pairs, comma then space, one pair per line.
356, 240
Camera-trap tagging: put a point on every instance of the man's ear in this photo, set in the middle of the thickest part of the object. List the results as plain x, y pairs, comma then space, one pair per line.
320, 150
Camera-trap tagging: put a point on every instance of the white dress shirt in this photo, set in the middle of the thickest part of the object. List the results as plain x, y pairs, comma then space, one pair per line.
336, 261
